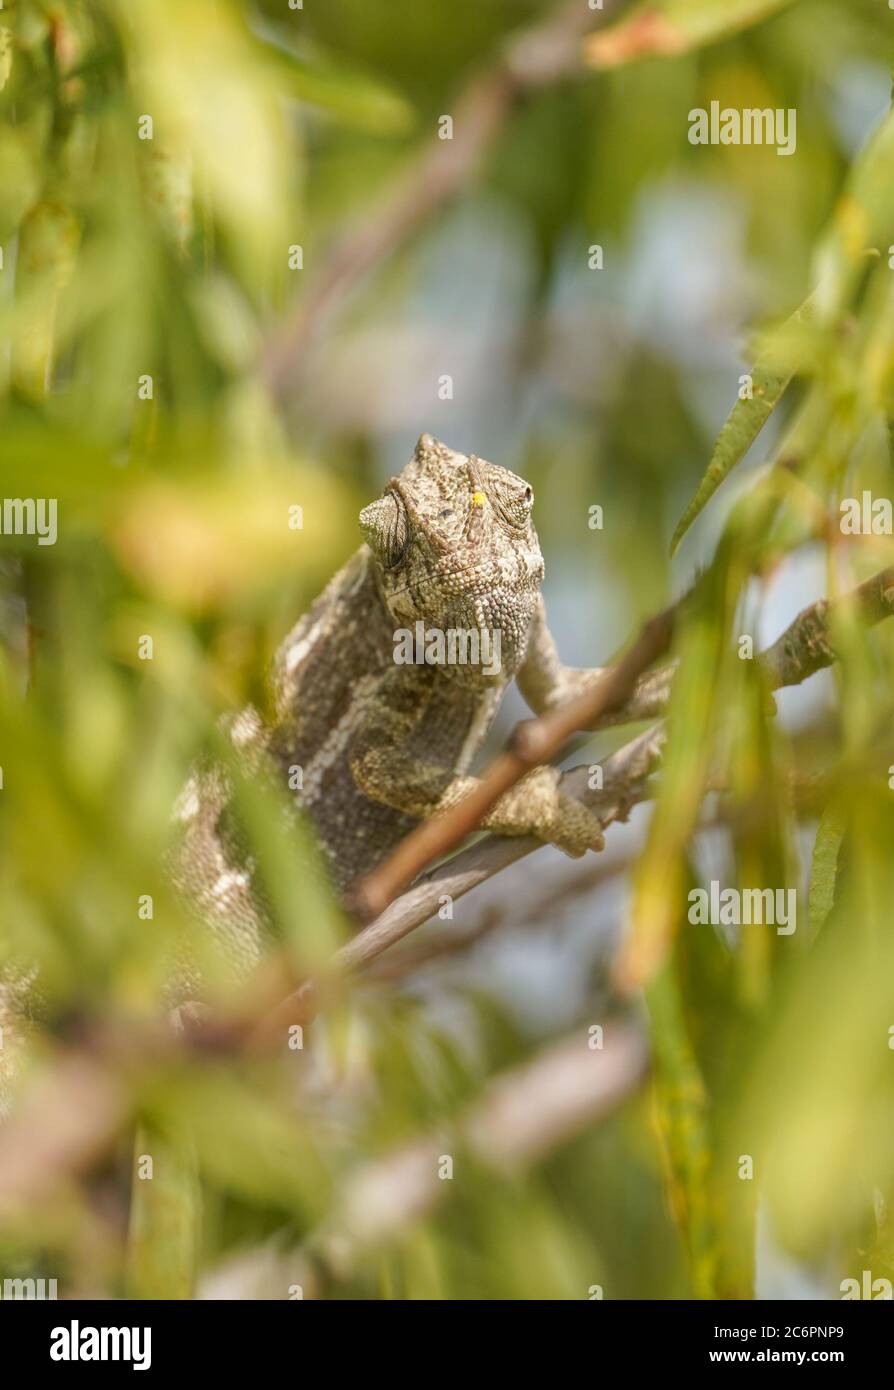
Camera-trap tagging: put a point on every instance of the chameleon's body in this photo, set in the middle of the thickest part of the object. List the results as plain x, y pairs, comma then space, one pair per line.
378, 745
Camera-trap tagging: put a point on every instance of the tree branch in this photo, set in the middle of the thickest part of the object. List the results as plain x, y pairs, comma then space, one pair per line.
535, 57
806, 645
533, 742
624, 776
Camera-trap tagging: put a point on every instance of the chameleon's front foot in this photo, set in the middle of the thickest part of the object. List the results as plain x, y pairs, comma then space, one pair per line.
536, 806
576, 828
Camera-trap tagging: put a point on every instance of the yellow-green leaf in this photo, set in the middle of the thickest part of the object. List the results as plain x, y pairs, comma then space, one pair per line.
770, 376
675, 26
824, 869
5, 55
163, 1236
350, 96
863, 222
680, 1110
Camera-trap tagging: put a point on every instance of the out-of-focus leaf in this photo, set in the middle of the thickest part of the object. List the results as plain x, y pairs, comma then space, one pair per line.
289, 865
350, 96
18, 180
761, 821
824, 869
201, 544
659, 892
225, 322
169, 187
681, 1116
674, 26
5, 54
770, 375
164, 1227
863, 221
214, 99
723, 1033
248, 1141
47, 255
819, 1097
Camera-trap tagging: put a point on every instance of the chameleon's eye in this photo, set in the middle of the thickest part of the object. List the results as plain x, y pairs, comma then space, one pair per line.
386, 529
515, 503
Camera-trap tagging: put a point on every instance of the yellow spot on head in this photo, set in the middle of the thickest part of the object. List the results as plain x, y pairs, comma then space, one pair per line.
478, 499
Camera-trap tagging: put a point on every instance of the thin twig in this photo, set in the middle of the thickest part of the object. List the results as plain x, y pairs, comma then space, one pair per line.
623, 774
806, 645
535, 57
447, 942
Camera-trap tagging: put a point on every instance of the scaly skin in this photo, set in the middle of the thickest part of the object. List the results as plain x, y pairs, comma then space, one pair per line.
383, 745
380, 745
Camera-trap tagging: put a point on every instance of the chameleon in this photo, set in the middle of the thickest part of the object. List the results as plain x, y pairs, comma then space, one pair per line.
381, 743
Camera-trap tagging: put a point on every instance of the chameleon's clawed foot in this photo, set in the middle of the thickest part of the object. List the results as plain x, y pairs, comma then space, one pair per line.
537, 806
576, 829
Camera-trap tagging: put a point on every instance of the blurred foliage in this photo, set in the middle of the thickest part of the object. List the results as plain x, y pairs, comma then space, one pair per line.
141, 279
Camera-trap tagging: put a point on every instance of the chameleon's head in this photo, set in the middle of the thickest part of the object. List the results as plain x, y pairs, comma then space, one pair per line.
455, 548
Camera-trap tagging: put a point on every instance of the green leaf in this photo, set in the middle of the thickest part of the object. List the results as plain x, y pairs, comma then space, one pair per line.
770, 376
674, 26
681, 1115
863, 223
824, 869
351, 96
19, 177
5, 55
163, 1237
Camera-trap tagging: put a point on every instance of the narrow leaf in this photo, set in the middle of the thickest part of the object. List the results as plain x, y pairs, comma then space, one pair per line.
162, 1243
824, 869
675, 26
351, 96
770, 376
5, 55
681, 1118
863, 223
